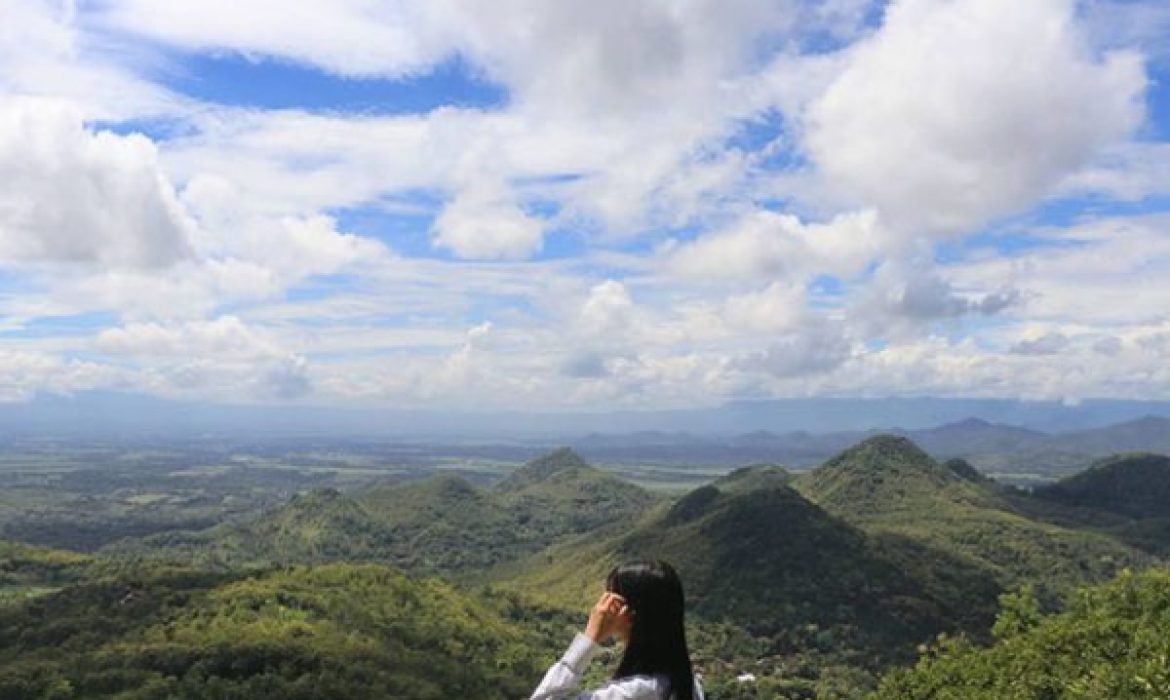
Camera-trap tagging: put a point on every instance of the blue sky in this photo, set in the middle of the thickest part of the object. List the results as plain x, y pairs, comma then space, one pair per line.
397, 205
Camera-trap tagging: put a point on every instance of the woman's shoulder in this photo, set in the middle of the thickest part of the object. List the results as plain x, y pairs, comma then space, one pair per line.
639, 687
636, 688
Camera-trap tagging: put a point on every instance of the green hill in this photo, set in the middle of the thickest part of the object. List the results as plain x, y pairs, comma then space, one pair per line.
759, 557
885, 475
561, 494
1113, 642
1126, 495
563, 461
775, 564
27, 571
442, 524
333, 631
887, 486
320, 525
1132, 485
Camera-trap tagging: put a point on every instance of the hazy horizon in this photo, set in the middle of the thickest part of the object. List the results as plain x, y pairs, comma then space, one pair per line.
123, 415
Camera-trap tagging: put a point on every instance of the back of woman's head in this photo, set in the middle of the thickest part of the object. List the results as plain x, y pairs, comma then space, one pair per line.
657, 639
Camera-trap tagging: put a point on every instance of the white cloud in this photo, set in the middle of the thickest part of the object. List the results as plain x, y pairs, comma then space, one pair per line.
608, 310
76, 195
958, 111
1129, 172
44, 52
224, 337
1105, 272
587, 88
766, 244
350, 37
482, 222
220, 358
777, 307
814, 349
24, 374
1047, 344
907, 297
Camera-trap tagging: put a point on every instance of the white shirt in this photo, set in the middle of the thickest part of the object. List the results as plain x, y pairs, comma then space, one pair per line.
564, 677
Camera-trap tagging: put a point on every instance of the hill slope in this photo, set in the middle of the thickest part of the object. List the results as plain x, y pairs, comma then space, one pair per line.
340, 630
1132, 485
442, 524
887, 486
561, 494
26, 570
756, 554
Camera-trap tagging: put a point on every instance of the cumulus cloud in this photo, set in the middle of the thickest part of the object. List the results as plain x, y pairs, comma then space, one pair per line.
766, 244
1109, 346
224, 337
608, 310
1103, 271
77, 195
956, 112
779, 306
484, 222
23, 374
904, 295
222, 356
585, 365
815, 349
1051, 343
287, 378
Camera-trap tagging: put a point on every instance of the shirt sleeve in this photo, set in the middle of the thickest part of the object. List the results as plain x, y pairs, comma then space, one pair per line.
563, 679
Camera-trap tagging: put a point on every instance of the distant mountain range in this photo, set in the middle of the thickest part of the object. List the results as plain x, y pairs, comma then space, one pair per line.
113, 416
991, 447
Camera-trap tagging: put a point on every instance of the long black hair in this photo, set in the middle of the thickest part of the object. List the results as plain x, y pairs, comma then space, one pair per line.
657, 643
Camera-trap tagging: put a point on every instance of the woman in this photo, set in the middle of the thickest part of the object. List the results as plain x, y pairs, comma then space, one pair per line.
643, 607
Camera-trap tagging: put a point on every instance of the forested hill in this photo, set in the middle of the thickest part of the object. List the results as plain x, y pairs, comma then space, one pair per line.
330, 631
442, 524
1133, 485
890, 488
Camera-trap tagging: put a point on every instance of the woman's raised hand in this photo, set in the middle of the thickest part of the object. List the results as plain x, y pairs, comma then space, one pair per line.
605, 617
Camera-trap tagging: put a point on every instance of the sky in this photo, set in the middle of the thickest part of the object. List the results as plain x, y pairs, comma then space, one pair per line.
544, 205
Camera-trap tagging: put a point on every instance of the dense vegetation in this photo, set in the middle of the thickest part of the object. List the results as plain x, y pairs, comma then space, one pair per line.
889, 487
443, 524
27, 570
331, 631
815, 583
1132, 485
1112, 642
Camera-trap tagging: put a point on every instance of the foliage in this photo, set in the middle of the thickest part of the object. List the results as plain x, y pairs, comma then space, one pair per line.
1112, 642
333, 631
439, 525
27, 571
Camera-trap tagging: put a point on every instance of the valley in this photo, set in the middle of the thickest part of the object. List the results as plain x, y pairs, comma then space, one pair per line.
146, 573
